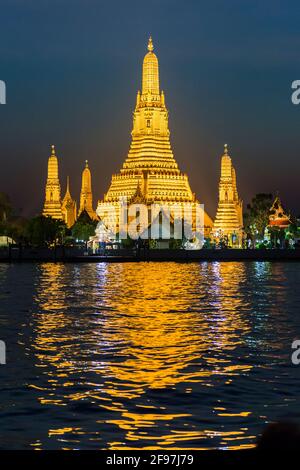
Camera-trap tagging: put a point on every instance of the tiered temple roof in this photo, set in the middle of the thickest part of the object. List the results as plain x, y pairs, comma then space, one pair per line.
52, 205
150, 164
229, 218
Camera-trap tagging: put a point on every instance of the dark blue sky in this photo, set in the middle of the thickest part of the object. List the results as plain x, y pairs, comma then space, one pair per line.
73, 68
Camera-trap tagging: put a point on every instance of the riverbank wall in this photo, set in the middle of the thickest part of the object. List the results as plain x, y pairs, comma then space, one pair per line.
62, 254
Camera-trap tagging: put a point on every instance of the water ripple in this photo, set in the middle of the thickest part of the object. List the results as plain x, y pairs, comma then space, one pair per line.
146, 355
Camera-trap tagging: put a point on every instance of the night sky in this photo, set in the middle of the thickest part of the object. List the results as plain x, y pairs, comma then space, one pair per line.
72, 70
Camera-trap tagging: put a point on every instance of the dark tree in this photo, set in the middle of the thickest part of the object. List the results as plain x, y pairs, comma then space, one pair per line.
256, 218
84, 227
44, 231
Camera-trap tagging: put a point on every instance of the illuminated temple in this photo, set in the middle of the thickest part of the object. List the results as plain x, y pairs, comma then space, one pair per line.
52, 205
66, 209
86, 195
150, 174
229, 218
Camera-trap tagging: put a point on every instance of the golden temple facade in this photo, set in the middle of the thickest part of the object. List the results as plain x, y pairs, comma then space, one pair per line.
66, 209
150, 173
229, 217
52, 205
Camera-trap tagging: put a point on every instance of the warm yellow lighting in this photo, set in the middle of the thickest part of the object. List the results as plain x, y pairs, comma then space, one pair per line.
140, 331
86, 196
52, 205
68, 207
150, 174
229, 218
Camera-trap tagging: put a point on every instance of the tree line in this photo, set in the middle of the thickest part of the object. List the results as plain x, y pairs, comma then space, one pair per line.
41, 230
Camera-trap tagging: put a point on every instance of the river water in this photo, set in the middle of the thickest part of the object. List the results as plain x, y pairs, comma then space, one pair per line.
147, 355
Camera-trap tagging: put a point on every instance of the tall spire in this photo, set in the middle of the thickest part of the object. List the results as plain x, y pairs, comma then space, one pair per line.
150, 172
68, 207
52, 205
226, 164
68, 194
229, 217
150, 82
86, 196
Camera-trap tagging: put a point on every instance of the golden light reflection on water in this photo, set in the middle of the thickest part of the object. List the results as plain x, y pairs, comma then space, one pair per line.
143, 353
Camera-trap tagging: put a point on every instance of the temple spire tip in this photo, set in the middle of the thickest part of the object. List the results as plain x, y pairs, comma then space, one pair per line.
150, 44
